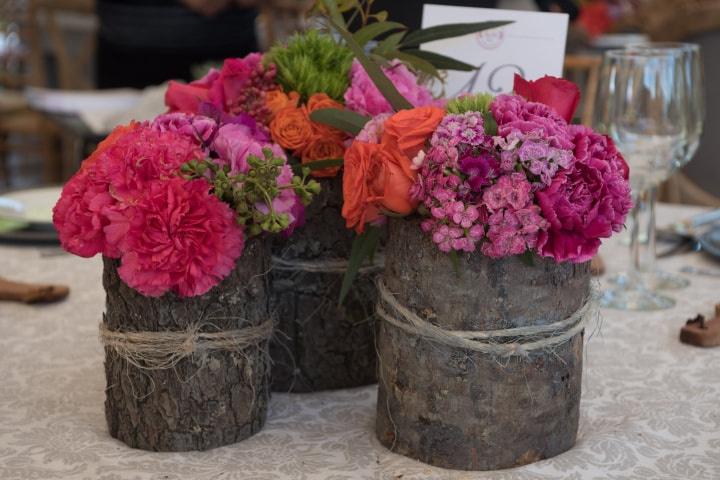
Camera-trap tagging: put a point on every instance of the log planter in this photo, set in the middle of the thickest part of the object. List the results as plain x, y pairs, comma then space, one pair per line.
319, 345
465, 409
210, 398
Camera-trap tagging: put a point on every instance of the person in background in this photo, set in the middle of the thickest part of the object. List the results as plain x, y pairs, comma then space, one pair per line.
147, 42
409, 12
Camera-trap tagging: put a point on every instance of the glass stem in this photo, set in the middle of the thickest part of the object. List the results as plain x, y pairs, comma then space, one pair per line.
646, 255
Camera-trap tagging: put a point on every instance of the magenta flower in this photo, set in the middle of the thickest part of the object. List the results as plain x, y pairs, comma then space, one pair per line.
586, 203
364, 98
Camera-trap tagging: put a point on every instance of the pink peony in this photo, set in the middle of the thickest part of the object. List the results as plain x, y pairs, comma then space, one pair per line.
185, 240
364, 98
587, 202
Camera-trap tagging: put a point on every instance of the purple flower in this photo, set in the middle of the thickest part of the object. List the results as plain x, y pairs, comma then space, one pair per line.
235, 142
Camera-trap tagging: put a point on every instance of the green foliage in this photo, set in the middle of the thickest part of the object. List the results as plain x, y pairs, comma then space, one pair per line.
312, 62
363, 248
470, 103
345, 120
259, 185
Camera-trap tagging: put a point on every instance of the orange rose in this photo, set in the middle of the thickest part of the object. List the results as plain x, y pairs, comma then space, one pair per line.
318, 101
359, 169
410, 129
376, 178
291, 128
276, 100
394, 180
323, 148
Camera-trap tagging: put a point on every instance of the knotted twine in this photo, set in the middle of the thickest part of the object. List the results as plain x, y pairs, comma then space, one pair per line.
165, 349
493, 342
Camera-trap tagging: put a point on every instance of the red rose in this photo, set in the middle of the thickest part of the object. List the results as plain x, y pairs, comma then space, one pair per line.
559, 94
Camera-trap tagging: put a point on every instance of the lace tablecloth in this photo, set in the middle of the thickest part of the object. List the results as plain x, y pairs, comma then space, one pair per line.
650, 406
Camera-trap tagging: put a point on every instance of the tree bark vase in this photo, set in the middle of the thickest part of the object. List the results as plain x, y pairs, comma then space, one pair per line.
208, 399
320, 345
468, 410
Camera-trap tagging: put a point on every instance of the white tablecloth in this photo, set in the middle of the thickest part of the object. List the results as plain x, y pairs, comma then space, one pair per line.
650, 405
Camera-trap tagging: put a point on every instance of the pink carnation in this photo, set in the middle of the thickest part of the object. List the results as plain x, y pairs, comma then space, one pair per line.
112, 181
79, 216
185, 240
235, 142
587, 202
364, 98
197, 127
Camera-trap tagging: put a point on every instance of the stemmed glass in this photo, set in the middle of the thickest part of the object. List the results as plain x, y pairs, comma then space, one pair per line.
643, 105
693, 72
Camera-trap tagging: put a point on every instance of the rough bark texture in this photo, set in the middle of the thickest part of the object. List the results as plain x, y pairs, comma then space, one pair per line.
207, 400
319, 345
466, 410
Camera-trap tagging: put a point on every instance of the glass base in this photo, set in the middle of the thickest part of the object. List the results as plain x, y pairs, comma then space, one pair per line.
621, 297
657, 280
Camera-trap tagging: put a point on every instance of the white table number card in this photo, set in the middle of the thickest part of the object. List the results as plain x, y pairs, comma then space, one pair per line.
533, 46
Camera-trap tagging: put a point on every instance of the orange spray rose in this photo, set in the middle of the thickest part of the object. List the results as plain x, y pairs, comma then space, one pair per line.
410, 129
291, 128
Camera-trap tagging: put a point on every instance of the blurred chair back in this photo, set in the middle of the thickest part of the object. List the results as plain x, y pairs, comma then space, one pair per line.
279, 19
584, 70
66, 30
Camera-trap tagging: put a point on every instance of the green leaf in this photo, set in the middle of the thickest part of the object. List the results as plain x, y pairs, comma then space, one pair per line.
374, 71
320, 164
441, 62
440, 32
389, 44
455, 260
334, 13
372, 31
363, 247
528, 258
489, 123
416, 62
344, 120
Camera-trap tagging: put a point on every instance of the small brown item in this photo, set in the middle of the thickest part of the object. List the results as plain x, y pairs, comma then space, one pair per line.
597, 266
31, 293
701, 332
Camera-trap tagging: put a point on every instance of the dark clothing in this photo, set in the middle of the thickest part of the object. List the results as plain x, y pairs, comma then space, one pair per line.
409, 12
143, 43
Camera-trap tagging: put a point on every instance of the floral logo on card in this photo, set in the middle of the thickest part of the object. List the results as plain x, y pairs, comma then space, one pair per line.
490, 39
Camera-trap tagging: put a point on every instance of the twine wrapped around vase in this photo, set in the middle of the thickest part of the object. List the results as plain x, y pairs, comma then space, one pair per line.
518, 341
163, 350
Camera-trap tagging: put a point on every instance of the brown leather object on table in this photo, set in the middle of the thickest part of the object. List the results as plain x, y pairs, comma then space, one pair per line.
597, 266
30, 292
701, 332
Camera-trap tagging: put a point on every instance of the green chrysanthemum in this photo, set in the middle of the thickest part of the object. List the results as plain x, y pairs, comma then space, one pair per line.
470, 103
312, 63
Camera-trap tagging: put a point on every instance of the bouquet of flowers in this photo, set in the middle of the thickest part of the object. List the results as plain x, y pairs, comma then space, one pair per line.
283, 88
506, 175
176, 198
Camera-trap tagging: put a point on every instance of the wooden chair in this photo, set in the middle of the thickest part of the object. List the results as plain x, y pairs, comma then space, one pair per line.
279, 19
585, 71
25, 131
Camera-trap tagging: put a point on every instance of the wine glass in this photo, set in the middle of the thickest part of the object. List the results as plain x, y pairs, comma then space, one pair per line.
694, 83
643, 105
